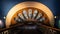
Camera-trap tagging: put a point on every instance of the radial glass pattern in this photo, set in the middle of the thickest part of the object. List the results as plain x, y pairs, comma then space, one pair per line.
30, 14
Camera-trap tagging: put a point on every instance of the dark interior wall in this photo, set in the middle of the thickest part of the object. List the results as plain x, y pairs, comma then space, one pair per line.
6, 5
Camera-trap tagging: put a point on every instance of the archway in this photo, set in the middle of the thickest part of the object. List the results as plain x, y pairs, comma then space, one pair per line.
29, 5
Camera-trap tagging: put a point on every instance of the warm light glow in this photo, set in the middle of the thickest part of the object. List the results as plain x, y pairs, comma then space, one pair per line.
22, 5
1, 22
55, 17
